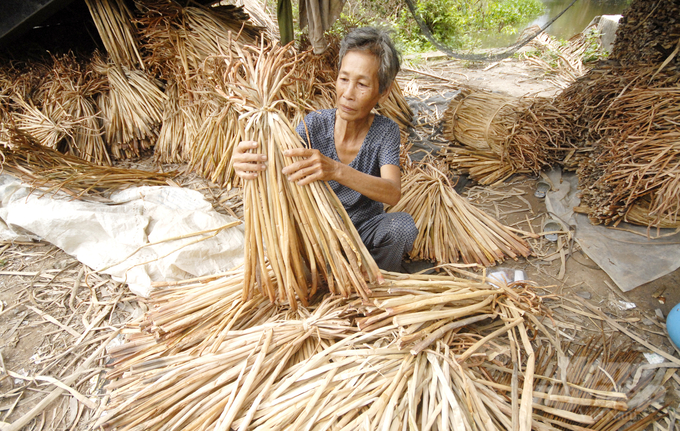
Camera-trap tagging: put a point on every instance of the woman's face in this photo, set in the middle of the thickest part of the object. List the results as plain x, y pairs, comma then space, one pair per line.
357, 85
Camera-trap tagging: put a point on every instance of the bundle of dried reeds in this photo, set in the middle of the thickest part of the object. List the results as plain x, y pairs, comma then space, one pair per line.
482, 120
51, 171
482, 166
114, 24
449, 228
132, 110
171, 143
48, 126
503, 135
298, 231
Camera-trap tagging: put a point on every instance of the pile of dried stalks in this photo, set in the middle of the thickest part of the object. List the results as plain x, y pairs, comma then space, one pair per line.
159, 87
503, 135
425, 353
450, 229
648, 34
632, 116
57, 316
616, 126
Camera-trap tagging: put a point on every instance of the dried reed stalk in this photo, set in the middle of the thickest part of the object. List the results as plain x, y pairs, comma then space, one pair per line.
114, 24
48, 170
449, 228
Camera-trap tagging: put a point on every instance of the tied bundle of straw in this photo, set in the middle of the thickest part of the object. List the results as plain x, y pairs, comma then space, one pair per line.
449, 227
48, 126
482, 166
503, 135
481, 120
132, 110
295, 230
114, 24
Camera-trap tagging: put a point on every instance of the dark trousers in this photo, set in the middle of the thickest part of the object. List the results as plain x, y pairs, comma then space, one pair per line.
388, 237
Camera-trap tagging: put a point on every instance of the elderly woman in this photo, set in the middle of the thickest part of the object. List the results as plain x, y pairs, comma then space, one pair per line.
356, 151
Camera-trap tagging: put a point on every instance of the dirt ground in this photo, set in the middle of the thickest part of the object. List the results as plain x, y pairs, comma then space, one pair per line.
55, 312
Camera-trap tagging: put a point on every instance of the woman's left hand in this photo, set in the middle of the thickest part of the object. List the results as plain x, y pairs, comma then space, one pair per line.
313, 167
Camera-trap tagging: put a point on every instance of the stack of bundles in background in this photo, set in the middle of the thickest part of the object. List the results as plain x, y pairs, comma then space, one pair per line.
58, 108
157, 88
631, 116
431, 352
617, 126
481, 122
450, 229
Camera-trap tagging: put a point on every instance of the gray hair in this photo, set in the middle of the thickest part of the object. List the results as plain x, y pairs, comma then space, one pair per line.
378, 43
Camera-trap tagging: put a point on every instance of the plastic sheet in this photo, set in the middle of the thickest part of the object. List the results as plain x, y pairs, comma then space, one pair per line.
629, 259
107, 236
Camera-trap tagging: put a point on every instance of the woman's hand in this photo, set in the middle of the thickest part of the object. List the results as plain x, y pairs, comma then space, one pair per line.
247, 165
313, 167
316, 167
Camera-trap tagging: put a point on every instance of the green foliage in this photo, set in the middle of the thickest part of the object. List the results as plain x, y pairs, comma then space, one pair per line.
593, 50
458, 24
463, 24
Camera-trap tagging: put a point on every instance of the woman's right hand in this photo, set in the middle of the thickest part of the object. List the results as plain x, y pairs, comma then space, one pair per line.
247, 165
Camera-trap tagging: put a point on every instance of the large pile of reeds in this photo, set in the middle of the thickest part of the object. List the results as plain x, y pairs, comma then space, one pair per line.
432, 352
450, 229
158, 87
632, 116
